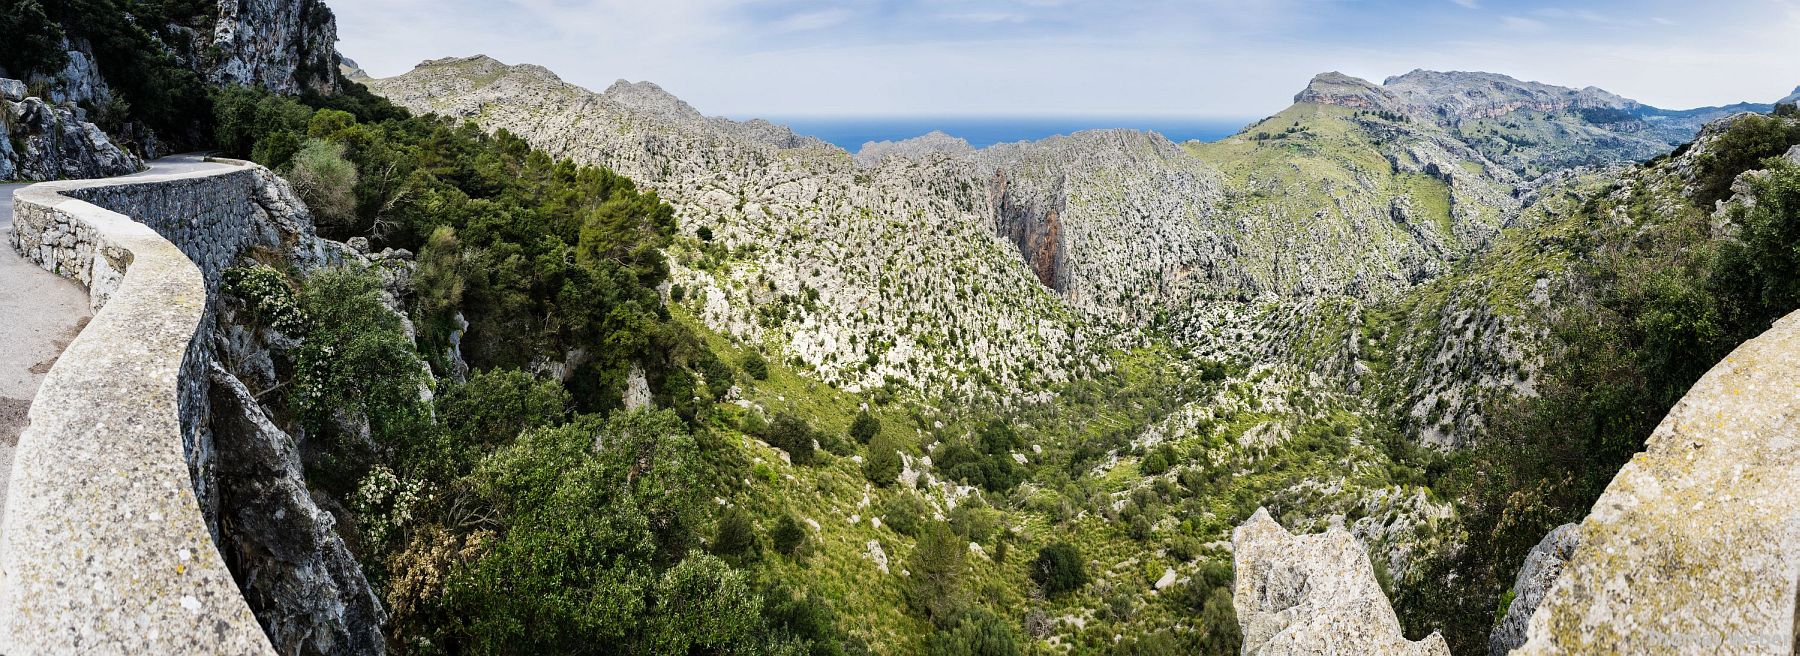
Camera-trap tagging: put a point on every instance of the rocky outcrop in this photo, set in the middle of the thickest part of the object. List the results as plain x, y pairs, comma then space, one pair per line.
1034, 229
1695, 546
1313, 594
40, 141
285, 46
1339, 89
308, 589
855, 270
1542, 566
932, 143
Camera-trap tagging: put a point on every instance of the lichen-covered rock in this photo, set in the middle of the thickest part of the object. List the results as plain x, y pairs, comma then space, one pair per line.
1695, 546
1542, 566
1313, 594
12, 90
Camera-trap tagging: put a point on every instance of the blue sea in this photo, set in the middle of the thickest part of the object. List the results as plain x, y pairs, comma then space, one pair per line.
850, 133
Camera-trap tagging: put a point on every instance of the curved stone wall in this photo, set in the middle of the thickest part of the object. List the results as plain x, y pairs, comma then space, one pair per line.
1695, 546
106, 545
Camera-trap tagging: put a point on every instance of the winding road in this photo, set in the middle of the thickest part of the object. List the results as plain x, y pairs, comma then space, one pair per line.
40, 313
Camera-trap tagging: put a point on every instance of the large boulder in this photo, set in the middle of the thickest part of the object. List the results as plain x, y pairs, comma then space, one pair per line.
40, 141
1695, 546
1313, 594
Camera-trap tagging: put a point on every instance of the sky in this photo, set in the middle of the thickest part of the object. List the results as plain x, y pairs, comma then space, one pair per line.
1193, 58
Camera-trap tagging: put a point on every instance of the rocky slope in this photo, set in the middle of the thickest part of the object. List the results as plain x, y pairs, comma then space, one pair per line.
864, 274
1529, 127
1120, 230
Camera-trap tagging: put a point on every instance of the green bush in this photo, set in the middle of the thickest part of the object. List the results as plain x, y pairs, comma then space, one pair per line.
789, 536
1742, 147
736, 535
884, 462
792, 434
355, 362
938, 564
495, 406
865, 427
34, 40
978, 632
269, 298
1158, 461
974, 522
756, 365
1059, 569
326, 182
905, 514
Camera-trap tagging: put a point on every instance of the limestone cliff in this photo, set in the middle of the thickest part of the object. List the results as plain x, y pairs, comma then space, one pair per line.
285, 46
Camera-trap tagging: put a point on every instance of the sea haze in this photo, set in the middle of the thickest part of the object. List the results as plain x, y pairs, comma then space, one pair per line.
850, 133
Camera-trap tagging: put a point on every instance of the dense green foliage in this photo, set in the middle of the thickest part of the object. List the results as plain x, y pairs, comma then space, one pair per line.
865, 427
1669, 301
1741, 148
936, 567
792, 434
513, 512
1059, 569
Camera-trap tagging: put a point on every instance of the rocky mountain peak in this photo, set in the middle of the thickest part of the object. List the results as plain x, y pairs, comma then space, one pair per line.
1336, 88
1792, 98
648, 97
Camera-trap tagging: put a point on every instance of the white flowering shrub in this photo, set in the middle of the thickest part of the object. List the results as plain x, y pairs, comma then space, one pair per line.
271, 301
385, 502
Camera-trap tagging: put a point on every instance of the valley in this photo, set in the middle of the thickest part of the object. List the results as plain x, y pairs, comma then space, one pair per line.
487, 362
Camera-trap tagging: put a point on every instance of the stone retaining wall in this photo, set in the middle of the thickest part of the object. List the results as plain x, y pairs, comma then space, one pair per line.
107, 545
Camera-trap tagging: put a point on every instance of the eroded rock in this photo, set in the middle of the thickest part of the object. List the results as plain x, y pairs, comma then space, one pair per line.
1313, 594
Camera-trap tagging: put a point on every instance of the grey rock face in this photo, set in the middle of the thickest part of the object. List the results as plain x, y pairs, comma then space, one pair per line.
285, 46
1339, 89
932, 143
1488, 95
296, 572
1313, 594
12, 90
39, 142
1542, 566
